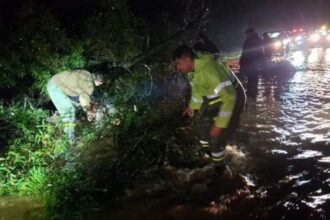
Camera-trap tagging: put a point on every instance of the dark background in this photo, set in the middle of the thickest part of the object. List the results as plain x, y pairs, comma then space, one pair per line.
229, 19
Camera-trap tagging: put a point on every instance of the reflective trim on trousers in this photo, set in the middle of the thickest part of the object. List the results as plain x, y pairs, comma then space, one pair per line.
204, 143
218, 156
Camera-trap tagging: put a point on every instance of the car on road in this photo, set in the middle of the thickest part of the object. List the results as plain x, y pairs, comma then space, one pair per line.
319, 38
297, 39
279, 42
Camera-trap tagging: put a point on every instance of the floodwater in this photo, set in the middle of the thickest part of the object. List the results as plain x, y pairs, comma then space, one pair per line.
13, 208
285, 134
288, 131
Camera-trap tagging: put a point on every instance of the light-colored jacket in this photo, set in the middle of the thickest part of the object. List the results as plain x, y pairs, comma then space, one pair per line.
76, 83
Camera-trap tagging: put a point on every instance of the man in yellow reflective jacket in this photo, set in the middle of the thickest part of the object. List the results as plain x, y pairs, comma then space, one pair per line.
216, 94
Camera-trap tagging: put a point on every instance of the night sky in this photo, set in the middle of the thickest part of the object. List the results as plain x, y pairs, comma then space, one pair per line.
228, 18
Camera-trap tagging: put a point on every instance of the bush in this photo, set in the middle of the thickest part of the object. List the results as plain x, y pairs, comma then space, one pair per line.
31, 148
143, 134
95, 169
37, 48
109, 158
111, 33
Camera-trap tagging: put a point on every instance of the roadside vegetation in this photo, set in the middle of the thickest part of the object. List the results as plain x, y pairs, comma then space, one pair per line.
134, 142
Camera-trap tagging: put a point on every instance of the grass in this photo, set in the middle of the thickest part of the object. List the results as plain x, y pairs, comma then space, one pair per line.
73, 182
31, 145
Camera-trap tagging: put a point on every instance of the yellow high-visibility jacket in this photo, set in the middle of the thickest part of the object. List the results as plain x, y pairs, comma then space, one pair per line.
213, 79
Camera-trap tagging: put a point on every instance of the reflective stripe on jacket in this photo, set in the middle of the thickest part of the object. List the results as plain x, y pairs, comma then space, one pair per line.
213, 79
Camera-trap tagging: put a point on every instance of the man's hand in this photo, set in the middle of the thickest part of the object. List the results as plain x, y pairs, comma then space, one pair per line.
90, 116
91, 112
92, 107
189, 111
215, 132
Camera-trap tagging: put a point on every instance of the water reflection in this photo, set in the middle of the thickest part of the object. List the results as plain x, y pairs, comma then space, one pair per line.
290, 123
324, 160
313, 58
327, 55
307, 154
297, 59
277, 151
315, 201
316, 55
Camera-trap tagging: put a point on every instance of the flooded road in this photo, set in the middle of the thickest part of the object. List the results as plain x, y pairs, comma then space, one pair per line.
289, 135
285, 133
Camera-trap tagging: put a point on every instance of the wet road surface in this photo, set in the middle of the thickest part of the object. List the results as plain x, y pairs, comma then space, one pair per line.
289, 126
285, 133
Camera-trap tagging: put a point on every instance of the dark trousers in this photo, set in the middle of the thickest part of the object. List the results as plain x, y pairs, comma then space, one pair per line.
251, 69
252, 84
204, 122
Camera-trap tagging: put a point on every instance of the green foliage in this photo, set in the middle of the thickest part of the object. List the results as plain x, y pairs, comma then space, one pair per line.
131, 95
109, 158
95, 169
55, 63
111, 33
38, 48
143, 134
32, 147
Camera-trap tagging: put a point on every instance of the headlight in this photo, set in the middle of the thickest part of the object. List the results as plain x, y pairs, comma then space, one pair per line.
315, 37
277, 44
328, 38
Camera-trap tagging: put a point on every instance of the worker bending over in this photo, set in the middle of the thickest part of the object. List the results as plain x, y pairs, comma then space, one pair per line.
69, 86
218, 97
